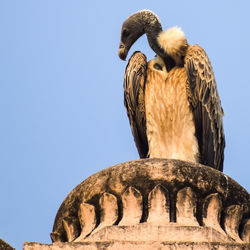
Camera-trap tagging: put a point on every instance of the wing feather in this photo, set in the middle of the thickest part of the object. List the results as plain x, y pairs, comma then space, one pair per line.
134, 85
206, 106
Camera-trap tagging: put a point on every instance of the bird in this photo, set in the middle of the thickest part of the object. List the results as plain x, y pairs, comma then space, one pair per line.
172, 101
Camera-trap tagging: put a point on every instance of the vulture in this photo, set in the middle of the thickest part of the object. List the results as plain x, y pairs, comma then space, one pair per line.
172, 101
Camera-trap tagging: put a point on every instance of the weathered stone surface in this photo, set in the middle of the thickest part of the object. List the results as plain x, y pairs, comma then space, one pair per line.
55, 237
121, 245
71, 228
188, 186
87, 220
186, 207
132, 207
246, 231
109, 211
146, 232
5, 246
233, 216
212, 212
158, 206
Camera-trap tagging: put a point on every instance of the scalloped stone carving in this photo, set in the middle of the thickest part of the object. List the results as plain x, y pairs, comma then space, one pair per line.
158, 206
186, 207
145, 195
87, 218
70, 225
246, 231
233, 216
109, 211
132, 207
212, 212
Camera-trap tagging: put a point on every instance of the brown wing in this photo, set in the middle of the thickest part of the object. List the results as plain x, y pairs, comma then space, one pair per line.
134, 81
206, 106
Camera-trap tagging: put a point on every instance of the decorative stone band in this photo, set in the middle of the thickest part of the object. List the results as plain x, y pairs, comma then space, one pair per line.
152, 200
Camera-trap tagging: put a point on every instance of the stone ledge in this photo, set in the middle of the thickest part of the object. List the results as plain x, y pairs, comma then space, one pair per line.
126, 245
146, 232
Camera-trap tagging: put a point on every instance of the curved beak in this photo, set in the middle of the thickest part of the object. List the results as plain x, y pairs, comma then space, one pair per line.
122, 52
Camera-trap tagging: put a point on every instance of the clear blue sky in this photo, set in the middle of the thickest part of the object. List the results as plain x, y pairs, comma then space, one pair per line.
61, 96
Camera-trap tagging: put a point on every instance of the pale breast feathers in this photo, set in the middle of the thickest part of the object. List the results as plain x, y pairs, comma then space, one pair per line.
169, 120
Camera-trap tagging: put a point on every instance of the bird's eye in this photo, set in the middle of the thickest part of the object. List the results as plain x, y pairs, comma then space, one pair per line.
125, 33
157, 66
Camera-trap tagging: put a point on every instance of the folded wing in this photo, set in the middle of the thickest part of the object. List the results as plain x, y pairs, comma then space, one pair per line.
134, 85
206, 106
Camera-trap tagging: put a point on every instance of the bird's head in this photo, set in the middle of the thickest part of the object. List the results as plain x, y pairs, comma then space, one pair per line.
166, 45
132, 29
